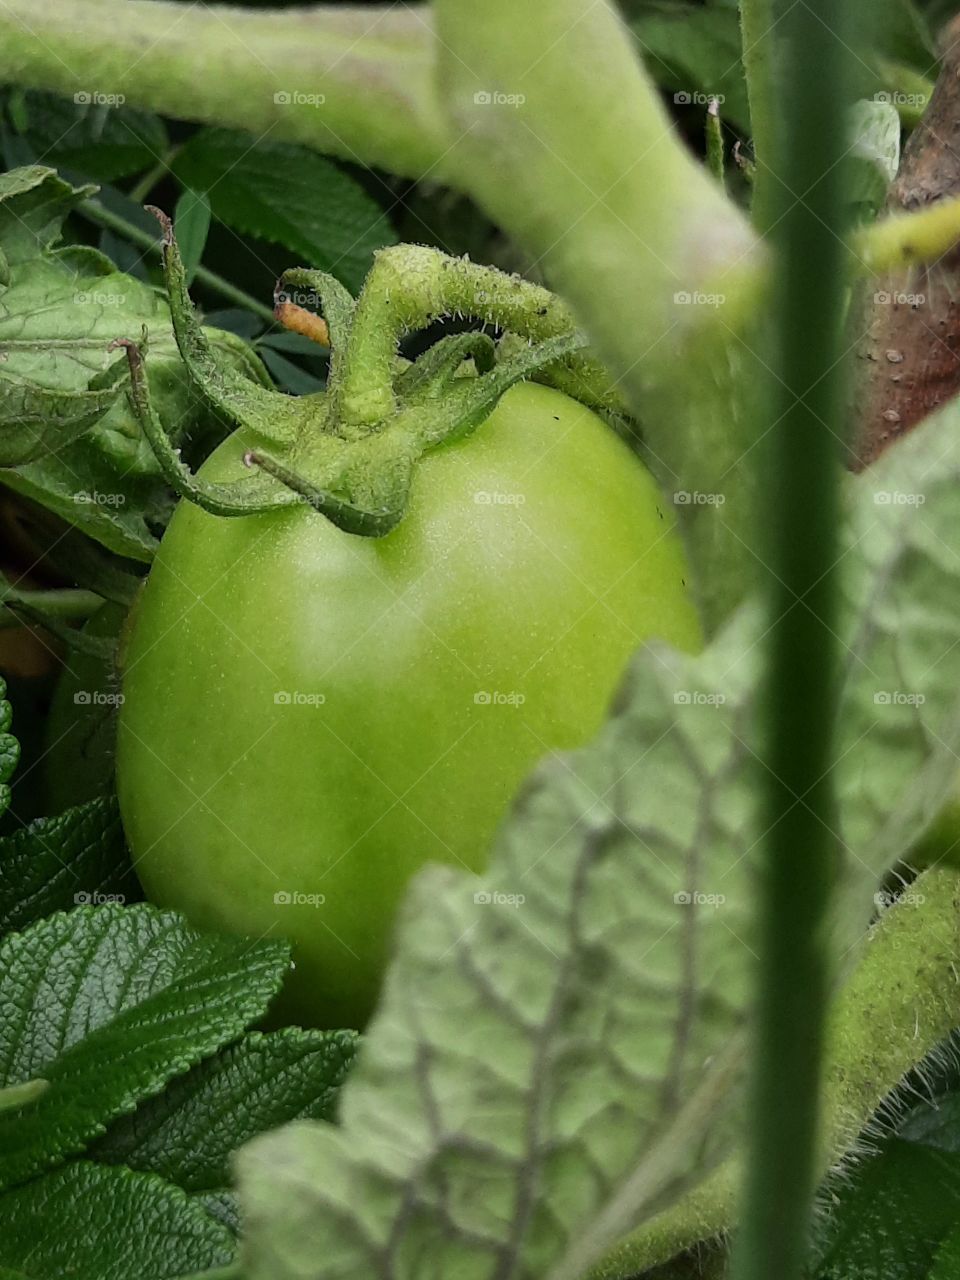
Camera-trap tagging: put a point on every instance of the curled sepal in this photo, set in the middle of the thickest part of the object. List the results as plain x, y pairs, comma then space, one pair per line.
36, 420
318, 291
240, 499
241, 401
469, 401
349, 516
431, 374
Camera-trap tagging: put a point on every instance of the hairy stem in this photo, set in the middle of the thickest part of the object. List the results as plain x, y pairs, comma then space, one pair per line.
408, 287
660, 268
349, 80
900, 1001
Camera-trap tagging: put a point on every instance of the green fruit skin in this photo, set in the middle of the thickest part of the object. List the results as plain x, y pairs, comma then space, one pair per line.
534, 558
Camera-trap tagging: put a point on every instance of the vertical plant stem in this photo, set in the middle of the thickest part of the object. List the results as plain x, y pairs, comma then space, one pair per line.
801, 854
757, 21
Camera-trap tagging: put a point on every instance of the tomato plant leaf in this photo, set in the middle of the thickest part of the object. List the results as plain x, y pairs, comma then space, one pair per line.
188, 1133
9, 748
61, 309
56, 863
548, 1028
93, 1222
289, 195
112, 1003
899, 719
105, 143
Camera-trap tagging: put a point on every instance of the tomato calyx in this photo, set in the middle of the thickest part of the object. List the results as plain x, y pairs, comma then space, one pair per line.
350, 451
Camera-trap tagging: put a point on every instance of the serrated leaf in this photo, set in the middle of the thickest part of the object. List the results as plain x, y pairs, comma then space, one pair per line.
189, 1132
112, 1003
9, 748
57, 863
92, 1222
289, 195
61, 310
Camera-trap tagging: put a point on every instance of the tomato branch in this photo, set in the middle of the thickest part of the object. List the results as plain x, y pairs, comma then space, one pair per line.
352, 82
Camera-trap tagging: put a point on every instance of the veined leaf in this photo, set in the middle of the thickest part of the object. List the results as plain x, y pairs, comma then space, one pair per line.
9, 748
112, 1003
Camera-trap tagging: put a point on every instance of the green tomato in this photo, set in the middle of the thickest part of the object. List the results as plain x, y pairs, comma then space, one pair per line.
310, 716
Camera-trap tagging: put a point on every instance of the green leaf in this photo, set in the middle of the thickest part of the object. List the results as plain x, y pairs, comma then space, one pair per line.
188, 1133
112, 1003
947, 1262
892, 1215
191, 221
57, 863
899, 720
92, 1222
551, 1034
694, 50
9, 748
874, 158
105, 143
61, 310
289, 195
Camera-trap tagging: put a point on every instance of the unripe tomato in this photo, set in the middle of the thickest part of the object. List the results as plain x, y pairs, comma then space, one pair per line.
310, 715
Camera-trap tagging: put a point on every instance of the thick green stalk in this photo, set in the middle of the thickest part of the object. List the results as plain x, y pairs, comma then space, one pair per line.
900, 1001
351, 81
801, 855
564, 140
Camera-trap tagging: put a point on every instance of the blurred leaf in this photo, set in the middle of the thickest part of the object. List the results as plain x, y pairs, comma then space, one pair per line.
287, 194
105, 143
191, 221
